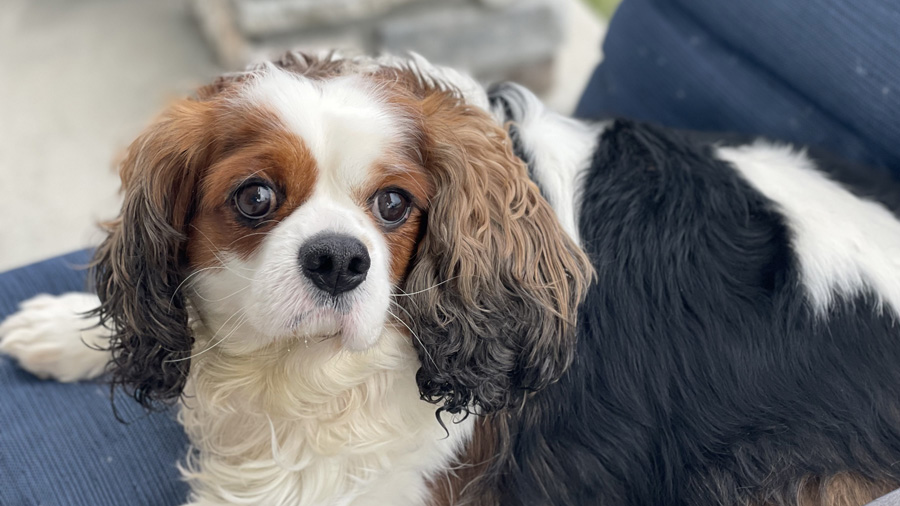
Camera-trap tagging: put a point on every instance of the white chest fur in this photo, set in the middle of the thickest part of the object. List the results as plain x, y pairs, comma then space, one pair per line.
309, 424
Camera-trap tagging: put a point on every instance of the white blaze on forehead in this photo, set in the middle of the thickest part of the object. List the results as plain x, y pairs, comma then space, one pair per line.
845, 245
344, 122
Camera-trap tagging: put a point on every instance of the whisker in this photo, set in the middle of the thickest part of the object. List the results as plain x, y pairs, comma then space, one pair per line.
237, 325
250, 235
401, 307
427, 354
185, 280
216, 251
405, 294
223, 298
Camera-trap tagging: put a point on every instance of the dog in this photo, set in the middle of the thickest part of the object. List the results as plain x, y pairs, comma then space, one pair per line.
273, 265
370, 281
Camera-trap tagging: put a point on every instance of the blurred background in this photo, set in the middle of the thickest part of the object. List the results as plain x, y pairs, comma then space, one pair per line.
80, 79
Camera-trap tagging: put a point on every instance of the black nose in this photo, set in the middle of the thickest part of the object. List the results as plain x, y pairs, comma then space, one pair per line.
334, 263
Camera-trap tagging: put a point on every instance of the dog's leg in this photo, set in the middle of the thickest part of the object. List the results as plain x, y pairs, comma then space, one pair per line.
51, 337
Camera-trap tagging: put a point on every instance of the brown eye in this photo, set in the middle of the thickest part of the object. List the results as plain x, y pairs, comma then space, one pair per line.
255, 201
391, 207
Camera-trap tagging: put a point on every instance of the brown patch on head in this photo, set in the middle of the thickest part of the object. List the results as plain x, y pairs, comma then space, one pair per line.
258, 150
842, 489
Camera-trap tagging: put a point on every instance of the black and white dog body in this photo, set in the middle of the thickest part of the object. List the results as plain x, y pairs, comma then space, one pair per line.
740, 344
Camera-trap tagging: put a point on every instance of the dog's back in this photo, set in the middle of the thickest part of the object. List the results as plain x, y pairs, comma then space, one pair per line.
740, 345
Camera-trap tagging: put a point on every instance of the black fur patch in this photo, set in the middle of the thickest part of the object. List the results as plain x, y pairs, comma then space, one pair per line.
701, 376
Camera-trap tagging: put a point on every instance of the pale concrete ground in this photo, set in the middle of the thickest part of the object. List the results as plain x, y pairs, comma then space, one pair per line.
78, 81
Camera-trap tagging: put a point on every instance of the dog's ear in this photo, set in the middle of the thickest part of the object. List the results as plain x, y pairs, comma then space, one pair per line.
139, 267
495, 285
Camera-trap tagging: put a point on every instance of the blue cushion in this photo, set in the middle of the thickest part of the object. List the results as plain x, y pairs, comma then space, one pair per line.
60, 443
819, 73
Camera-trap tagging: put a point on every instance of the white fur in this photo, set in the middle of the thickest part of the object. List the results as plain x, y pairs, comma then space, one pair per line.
51, 339
561, 149
845, 244
306, 423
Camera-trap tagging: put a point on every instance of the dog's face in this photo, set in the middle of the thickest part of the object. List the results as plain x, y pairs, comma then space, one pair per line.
304, 227
325, 200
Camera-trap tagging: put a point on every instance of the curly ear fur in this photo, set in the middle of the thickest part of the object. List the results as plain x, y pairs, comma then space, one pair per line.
495, 286
140, 265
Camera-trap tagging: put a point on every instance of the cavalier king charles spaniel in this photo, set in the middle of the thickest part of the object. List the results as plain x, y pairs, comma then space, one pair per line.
368, 281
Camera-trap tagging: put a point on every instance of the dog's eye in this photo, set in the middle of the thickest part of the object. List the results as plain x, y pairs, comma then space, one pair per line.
255, 201
391, 207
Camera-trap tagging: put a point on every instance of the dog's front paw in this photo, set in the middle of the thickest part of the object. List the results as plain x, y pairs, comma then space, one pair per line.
51, 338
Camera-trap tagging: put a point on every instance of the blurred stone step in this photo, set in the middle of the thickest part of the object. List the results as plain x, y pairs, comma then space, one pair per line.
268, 17
492, 39
476, 39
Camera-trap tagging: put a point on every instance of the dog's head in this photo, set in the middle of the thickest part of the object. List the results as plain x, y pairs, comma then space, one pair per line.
322, 198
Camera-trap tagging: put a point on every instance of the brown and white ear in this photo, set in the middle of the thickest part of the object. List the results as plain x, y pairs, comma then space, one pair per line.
496, 282
140, 265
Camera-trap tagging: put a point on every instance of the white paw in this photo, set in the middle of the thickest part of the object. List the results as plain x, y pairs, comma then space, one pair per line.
51, 338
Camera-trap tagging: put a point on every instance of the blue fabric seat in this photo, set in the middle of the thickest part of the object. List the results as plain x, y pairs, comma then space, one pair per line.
822, 73
60, 444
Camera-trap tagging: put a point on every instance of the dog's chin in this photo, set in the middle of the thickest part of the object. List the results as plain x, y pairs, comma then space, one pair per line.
350, 332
